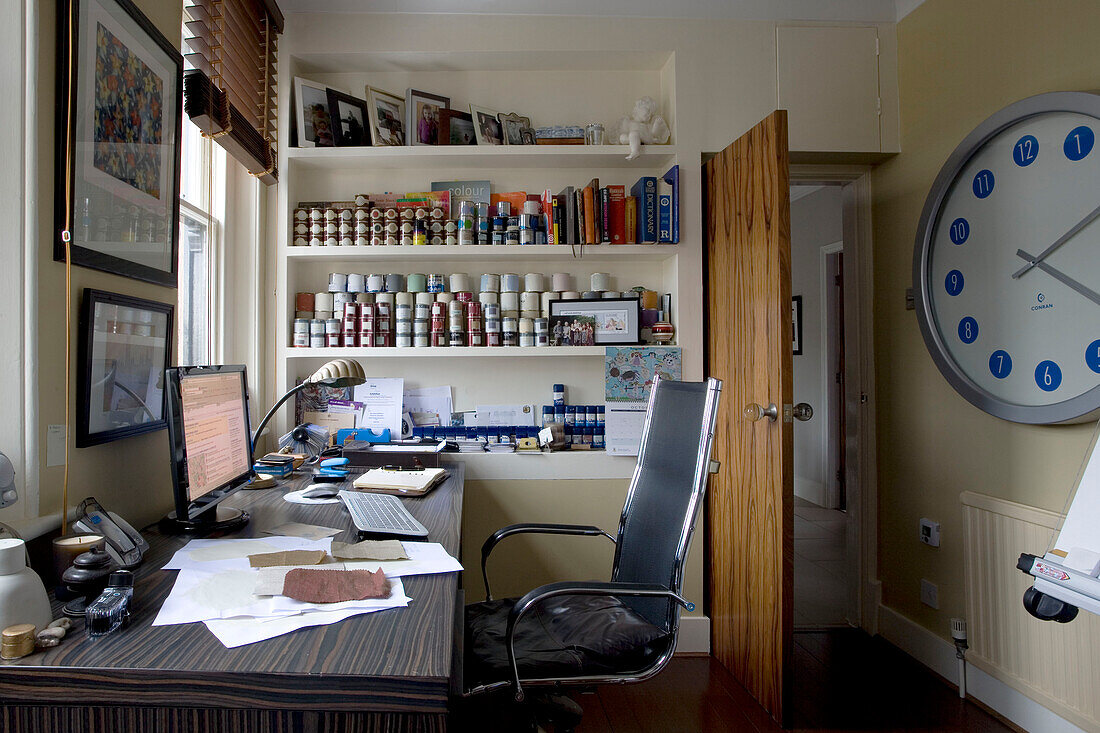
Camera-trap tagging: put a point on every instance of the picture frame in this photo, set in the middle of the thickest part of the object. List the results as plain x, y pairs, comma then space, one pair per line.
117, 179
456, 128
123, 347
612, 321
387, 117
527, 135
311, 108
796, 324
349, 119
487, 127
512, 126
422, 113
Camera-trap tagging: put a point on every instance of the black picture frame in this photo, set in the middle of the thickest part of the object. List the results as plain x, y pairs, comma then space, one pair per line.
343, 132
121, 337
796, 324
117, 197
626, 334
456, 128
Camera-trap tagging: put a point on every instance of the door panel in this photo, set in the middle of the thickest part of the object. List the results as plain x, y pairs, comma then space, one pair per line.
750, 504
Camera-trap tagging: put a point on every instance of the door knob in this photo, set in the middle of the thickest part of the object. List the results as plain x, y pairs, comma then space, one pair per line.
755, 412
802, 411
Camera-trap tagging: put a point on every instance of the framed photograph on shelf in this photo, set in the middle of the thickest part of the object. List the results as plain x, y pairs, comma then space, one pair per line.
311, 108
124, 346
527, 136
118, 146
513, 126
487, 127
349, 119
609, 321
387, 117
456, 128
423, 112
796, 324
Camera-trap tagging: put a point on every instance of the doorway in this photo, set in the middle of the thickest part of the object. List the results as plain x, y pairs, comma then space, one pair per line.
826, 533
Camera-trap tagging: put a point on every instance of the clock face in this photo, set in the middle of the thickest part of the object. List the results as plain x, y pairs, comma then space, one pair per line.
1010, 273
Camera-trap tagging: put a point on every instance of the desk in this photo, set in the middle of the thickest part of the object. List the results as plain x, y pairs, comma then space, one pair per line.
386, 670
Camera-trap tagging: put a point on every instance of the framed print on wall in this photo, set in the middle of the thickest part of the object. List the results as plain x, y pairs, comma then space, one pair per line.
124, 346
387, 117
118, 144
796, 324
423, 113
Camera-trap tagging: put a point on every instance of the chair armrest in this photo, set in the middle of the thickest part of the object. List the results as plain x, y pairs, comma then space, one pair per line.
572, 588
532, 528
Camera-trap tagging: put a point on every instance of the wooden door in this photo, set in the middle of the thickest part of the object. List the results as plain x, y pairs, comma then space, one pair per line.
750, 502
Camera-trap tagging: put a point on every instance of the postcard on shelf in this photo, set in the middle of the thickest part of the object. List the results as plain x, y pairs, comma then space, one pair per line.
476, 191
505, 415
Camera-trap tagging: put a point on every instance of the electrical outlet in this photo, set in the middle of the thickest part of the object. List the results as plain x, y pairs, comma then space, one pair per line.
929, 532
929, 593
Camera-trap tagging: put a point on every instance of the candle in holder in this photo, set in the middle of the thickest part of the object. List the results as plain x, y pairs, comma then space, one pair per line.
65, 550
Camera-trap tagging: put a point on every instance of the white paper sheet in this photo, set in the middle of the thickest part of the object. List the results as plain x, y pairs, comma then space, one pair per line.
381, 400
232, 554
623, 428
238, 632
505, 415
430, 400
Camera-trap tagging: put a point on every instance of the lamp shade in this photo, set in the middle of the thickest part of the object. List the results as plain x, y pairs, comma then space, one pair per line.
339, 373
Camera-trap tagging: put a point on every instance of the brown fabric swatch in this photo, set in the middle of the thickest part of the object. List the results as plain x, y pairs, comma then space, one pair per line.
369, 550
333, 586
286, 557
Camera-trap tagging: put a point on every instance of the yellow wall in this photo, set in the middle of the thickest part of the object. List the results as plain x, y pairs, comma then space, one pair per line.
958, 62
130, 476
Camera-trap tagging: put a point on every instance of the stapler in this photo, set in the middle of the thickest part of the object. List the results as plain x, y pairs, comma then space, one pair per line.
331, 470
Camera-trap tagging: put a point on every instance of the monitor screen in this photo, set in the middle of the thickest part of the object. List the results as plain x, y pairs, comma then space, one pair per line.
210, 434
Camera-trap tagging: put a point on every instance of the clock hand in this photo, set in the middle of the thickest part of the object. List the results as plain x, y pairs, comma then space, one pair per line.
1061, 276
1061, 240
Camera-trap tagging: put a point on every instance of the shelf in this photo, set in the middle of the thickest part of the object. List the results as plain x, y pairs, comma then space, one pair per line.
526, 253
480, 156
435, 352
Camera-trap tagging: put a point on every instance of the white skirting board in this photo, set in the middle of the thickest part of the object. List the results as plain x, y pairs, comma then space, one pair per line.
938, 654
694, 636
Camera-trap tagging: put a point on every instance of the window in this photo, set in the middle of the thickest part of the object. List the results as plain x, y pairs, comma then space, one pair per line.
202, 212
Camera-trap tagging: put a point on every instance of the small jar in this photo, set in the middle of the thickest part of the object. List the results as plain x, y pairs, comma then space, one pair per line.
593, 134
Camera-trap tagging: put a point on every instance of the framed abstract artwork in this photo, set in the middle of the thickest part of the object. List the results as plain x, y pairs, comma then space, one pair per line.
124, 346
119, 94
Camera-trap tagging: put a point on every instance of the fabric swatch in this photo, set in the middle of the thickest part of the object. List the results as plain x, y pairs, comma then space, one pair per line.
230, 550
334, 586
307, 531
370, 550
286, 557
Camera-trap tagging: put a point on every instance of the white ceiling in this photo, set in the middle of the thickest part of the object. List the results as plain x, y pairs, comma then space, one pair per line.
871, 11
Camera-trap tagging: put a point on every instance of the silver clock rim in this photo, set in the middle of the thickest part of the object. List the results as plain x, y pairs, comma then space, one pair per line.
1083, 407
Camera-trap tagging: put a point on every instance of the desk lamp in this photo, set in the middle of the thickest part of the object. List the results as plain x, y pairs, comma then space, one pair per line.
336, 373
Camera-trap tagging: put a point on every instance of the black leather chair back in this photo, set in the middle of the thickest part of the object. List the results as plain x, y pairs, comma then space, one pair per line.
665, 492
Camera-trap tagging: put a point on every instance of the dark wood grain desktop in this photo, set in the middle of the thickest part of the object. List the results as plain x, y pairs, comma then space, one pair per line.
389, 668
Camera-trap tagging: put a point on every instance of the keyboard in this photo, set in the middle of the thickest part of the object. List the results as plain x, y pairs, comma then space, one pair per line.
381, 514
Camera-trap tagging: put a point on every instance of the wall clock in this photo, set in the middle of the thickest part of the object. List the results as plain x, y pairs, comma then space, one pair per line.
1006, 268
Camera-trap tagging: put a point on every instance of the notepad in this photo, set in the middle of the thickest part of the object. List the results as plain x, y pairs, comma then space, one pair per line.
405, 483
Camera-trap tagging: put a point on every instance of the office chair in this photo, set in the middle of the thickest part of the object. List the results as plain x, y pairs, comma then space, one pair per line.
590, 633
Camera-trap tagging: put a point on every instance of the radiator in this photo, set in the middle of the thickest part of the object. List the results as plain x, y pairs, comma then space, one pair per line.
1057, 665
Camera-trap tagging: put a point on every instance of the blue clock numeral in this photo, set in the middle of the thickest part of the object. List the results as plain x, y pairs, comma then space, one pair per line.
1026, 151
954, 282
1079, 142
1092, 356
960, 230
968, 330
983, 183
1048, 376
1000, 364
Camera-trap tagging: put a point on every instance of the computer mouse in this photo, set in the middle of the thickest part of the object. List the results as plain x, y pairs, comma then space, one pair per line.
321, 492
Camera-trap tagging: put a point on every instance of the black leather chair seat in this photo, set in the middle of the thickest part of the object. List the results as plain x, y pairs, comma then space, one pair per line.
566, 636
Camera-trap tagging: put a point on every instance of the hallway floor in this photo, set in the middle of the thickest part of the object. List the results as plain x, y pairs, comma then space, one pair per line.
820, 568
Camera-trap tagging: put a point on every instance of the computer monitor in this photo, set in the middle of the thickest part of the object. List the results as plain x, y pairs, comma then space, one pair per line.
210, 443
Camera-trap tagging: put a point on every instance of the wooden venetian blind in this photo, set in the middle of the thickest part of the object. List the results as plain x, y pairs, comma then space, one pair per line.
229, 85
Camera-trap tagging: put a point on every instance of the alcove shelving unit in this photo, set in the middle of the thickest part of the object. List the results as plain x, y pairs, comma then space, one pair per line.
505, 374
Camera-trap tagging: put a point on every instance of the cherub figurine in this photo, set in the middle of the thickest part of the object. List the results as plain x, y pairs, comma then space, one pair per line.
643, 125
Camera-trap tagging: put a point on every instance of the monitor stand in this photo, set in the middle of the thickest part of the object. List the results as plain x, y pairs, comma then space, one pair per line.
221, 520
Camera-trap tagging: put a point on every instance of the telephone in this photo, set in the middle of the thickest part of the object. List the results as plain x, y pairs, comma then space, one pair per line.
125, 544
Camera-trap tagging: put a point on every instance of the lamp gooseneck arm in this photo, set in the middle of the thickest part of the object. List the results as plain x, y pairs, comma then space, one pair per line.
273, 410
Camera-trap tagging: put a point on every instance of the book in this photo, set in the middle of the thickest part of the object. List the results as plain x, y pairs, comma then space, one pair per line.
630, 216
645, 190
589, 215
476, 191
605, 216
579, 195
672, 177
568, 208
547, 201
555, 234
664, 211
403, 482
597, 220
617, 213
